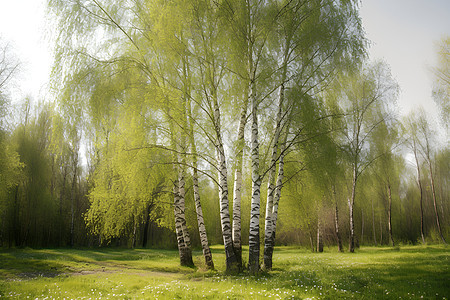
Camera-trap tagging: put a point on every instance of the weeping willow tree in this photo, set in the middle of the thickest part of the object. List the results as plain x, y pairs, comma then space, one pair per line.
149, 89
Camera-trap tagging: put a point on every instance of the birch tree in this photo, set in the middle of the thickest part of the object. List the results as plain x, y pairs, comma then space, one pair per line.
237, 189
195, 182
366, 97
206, 56
411, 130
425, 146
250, 25
383, 143
314, 42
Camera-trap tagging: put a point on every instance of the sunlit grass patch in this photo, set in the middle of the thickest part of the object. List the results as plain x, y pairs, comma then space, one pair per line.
371, 273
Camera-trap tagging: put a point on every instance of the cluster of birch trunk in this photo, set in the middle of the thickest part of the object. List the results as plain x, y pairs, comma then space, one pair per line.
200, 61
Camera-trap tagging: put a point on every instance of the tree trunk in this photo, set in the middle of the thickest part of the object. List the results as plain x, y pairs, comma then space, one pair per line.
182, 166
381, 232
184, 247
61, 203
419, 183
362, 226
391, 237
433, 191
232, 264
268, 249
182, 216
133, 238
441, 203
198, 207
16, 220
236, 231
319, 235
253, 239
276, 200
183, 250
183, 240
352, 235
436, 212
336, 223
72, 198
351, 202
201, 223
373, 225
311, 239
146, 226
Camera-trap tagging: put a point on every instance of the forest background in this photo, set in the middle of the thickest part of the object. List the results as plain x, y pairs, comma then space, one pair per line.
198, 118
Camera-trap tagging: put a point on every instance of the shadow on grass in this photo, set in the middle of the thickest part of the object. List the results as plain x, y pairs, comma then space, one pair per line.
24, 265
27, 263
371, 273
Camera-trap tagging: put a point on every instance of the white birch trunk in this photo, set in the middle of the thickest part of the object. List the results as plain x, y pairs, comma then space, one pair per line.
183, 239
198, 207
181, 203
351, 202
373, 225
362, 227
336, 221
72, 194
231, 260
381, 231
276, 201
178, 224
274, 190
236, 232
271, 184
419, 183
253, 239
185, 109
319, 235
433, 193
391, 237
201, 225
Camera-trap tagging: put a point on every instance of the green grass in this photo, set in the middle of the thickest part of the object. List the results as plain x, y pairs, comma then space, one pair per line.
410, 272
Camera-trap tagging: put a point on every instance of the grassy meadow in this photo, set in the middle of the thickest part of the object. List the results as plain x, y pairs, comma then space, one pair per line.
409, 272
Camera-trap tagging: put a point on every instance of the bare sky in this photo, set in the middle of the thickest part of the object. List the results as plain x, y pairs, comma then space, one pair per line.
403, 33
22, 25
